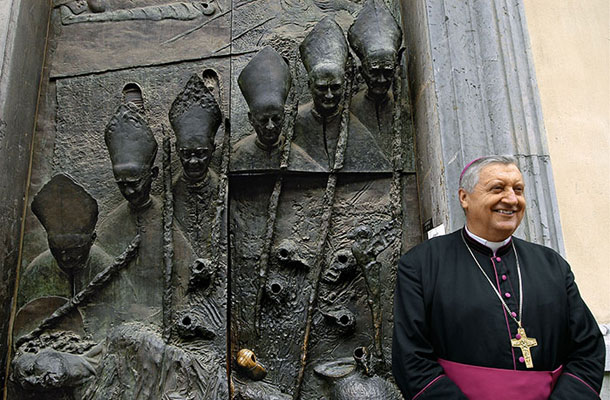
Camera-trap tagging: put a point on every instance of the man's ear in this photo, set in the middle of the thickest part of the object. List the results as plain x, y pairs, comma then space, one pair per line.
250, 118
463, 196
154, 172
93, 236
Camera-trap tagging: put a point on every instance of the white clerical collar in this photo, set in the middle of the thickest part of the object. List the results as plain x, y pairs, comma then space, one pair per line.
492, 245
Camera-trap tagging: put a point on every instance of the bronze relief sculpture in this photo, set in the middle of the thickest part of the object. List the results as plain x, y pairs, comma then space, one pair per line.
264, 83
324, 53
195, 117
276, 236
69, 215
62, 357
376, 39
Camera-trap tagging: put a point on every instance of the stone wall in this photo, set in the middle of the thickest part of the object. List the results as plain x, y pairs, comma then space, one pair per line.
23, 36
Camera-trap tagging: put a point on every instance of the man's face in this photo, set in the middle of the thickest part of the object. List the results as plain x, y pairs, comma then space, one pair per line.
326, 86
267, 122
134, 184
71, 251
496, 205
378, 72
195, 159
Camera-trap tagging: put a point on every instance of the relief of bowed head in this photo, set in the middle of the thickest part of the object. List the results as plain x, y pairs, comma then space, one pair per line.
132, 148
51, 369
70, 223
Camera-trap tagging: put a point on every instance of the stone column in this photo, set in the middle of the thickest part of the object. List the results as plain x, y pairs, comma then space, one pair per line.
23, 34
474, 93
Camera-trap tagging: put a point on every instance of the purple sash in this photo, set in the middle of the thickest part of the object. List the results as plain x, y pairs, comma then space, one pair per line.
480, 383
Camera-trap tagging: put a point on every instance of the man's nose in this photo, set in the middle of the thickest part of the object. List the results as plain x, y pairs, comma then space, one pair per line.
511, 197
270, 124
329, 94
381, 78
129, 190
192, 161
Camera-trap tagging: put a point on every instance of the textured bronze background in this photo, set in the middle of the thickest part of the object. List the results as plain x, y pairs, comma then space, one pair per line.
268, 261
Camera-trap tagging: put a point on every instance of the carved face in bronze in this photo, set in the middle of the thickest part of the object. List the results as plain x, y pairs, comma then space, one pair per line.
71, 251
195, 159
195, 117
378, 72
267, 122
135, 183
326, 83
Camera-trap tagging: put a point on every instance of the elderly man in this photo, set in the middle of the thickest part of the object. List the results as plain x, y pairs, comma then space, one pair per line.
480, 314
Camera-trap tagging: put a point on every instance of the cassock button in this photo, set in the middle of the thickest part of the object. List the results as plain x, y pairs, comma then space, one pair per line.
504, 277
507, 295
521, 359
498, 259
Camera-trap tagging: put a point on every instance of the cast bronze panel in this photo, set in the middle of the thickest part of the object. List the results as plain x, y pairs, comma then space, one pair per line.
221, 193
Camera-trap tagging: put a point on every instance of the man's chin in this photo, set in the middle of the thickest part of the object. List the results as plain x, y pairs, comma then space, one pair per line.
379, 91
69, 266
138, 202
327, 109
195, 175
505, 230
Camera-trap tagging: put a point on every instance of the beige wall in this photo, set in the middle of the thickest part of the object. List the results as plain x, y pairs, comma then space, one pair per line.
570, 42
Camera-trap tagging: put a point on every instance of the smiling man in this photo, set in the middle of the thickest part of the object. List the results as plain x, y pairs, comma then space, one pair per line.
480, 314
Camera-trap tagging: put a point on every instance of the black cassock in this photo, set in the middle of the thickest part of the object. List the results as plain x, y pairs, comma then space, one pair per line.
444, 308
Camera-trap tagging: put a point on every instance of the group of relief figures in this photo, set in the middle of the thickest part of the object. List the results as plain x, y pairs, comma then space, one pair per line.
137, 307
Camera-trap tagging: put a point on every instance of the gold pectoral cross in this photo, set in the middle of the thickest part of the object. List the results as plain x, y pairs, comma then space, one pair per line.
524, 343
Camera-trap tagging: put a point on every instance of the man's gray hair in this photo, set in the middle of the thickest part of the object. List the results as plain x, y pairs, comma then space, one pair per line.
470, 175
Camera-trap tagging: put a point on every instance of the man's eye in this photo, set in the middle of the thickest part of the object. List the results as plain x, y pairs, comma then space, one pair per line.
335, 87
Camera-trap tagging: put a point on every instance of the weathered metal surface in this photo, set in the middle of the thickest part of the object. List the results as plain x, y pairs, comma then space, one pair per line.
293, 258
152, 39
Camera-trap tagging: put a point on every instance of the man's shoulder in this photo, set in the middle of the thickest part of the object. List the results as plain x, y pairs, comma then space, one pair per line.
98, 255
435, 247
245, 145
538, 251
